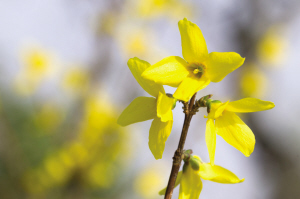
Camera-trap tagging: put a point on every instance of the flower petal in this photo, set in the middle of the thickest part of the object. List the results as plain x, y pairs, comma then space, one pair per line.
137, 67
191, 184
189, 86
158, 135
218, 174
192, 41
210, 138
221, 64
178, 180
164, 107
169, 71
217, 110
249, 105
140, 109
235, 132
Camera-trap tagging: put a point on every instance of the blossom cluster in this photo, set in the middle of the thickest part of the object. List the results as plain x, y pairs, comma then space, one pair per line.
190, 74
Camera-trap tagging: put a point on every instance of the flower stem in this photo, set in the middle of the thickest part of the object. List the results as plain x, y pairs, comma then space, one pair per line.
177, 158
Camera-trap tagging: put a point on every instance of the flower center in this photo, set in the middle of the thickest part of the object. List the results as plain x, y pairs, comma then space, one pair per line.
197, 69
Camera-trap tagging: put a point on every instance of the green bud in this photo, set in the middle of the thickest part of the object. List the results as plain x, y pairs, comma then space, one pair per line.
186, 155
208, 105
189, 151
195, 164
205, 98
184, 168
216, 101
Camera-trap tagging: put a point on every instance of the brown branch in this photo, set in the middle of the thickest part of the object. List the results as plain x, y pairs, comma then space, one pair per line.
179, 152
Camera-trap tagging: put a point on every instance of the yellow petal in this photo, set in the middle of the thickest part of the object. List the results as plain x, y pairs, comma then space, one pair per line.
218, 174
210, 138
137, 67
189, 86
191, 184
192, 41
178, 180
249, 105
164, 107
169, 71
221, 109
158, 135
221, 64
140, 109
235, 132
217, 110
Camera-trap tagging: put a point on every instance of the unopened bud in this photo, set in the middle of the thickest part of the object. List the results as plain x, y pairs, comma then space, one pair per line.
184, 168
195, 163
186, 155
202, 102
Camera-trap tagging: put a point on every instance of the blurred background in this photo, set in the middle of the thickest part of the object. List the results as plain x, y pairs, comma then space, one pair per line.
64, 81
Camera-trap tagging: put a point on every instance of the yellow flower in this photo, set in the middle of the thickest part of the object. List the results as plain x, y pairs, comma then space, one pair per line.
38, 64
160, 8
272, 47
158, 108
230, 126
253, 81
76, 80
150, 180
190, 178
197, 69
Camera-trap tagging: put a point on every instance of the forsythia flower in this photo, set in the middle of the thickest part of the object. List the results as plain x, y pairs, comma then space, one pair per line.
159, 107
197, 69
229, 126
190, 178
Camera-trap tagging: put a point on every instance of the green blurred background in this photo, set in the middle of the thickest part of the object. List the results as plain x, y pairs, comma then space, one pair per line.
64, 81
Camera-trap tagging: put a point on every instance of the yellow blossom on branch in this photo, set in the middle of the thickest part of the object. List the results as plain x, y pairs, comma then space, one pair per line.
190, 182
159, 108
197, 69
230, 126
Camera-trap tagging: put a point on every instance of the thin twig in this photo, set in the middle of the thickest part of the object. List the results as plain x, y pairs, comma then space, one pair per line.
179, 152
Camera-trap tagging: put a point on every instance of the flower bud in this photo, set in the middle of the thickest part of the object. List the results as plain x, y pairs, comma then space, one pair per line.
195, 163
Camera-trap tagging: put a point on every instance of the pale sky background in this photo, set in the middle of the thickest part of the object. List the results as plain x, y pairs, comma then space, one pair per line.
67, 29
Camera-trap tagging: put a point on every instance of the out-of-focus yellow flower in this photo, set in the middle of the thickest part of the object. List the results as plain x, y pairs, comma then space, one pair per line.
149, 181
37, 64
159, 108
48, 117
55, 170
229, 126
158, 8
133, 41
253, 81
197, 69
76, 80
102, 174
93, 157
272, 47
107, 23
190, 178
